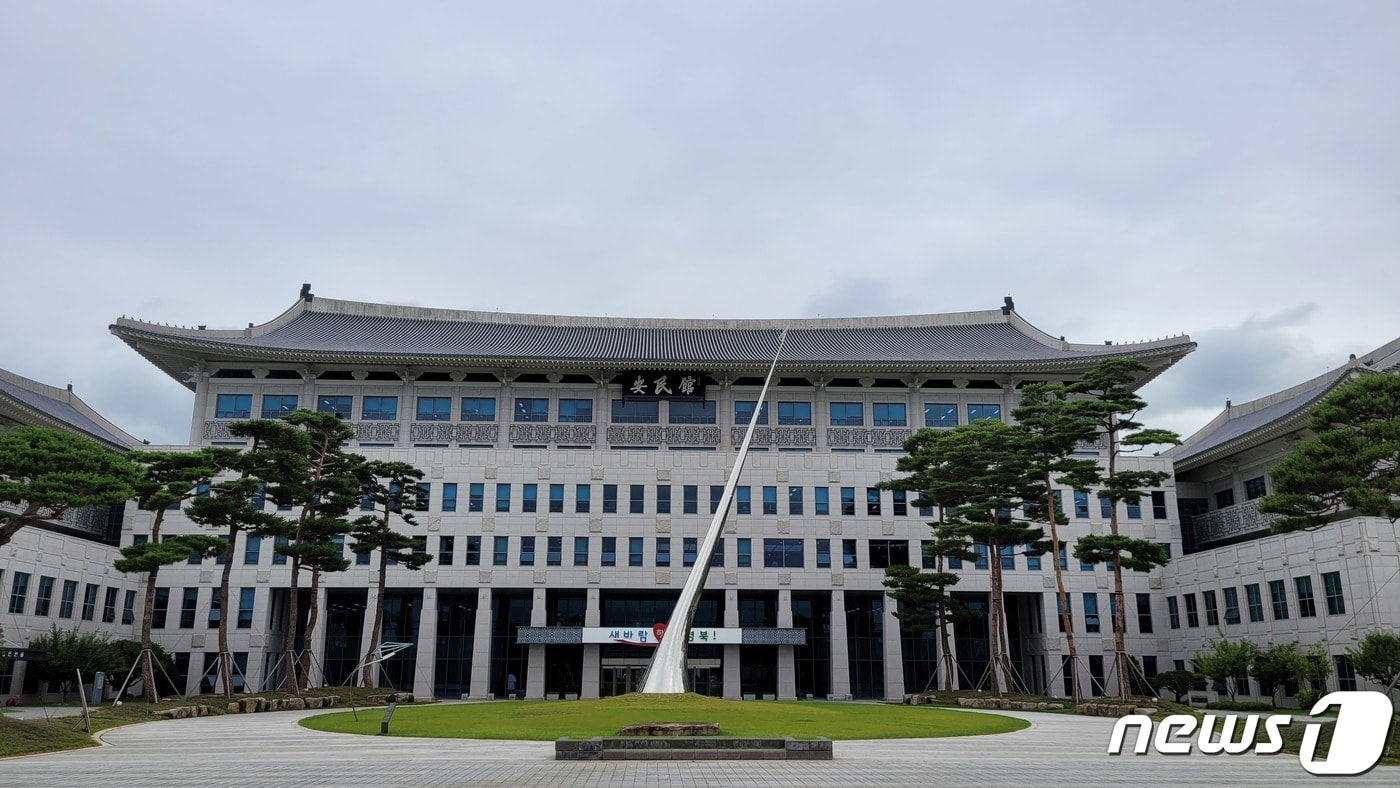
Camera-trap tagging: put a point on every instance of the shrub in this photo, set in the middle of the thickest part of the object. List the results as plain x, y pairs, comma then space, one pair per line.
1306, 698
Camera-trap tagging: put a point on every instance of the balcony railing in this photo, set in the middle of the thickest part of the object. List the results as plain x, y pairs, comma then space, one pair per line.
1232, 522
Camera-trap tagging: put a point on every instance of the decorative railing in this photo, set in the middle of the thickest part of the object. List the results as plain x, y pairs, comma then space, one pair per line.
860, 437
376, 431
582, 434
655, 435
91, 520
1232, 522
797, 437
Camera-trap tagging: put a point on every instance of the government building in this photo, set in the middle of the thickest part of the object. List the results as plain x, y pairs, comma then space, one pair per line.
573, 465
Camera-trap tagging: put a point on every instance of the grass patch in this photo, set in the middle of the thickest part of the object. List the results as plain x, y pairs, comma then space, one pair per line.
25, 738
548, 720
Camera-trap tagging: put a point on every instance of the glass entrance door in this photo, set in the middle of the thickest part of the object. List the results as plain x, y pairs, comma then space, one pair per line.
620, 680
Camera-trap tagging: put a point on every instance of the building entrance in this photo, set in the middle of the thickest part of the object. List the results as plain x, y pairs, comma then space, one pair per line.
620, 680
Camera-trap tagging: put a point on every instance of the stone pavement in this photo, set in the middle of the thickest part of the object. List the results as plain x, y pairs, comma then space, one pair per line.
270, 750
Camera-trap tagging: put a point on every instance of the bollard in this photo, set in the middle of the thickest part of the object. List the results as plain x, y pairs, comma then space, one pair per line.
384, 723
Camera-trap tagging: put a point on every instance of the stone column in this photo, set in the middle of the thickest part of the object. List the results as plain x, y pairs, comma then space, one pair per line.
731, 653
372, 603
316, 642
787, 662
481, 645
425, 652
840, 647
535, 667
894, 652
592, 652
201, 408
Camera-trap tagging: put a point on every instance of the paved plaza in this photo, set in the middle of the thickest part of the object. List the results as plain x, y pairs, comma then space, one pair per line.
272, 750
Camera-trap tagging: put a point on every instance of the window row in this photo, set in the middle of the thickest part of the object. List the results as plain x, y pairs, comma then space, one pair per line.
1089, 602
1334, 600
21, 587
190, 606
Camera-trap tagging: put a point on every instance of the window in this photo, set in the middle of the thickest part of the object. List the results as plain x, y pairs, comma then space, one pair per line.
821, 501
782, 553
275, 406
690, 499
554, 551
233, 406
1173, 613
449, 496
246, 599
109, 606
954, 562
744, 553
425, 495
901, 503
977, 412
1307, 603
1134, 510
556, 497
1008, 557
1346, 673
795, 500
743, 500
1064, 557
1224, 498
636, 411
795, 413
690, 546
1144, 613
980, 551
872, 501
823, 553
1212, 612
476, 497
580, 551
689, 412
1091, 612
500, 551
1332, 587
847, 414
473, 556
1254, 488
1032, 561
576, 411
848, 501
129, 608
447, 547
663, 499
770, 500
716, 492
888, 552
1105, 507
717, 557
636, 499
848, 554
188, 604
940, 415
19, 593
44, 599
1256, 602
1278, 595
634, 551
159, 606
610, 551
1081, 504
1232, 605
435, 409
610, 499
1193, 617
582, 498
478, 408
888, 414
743, 412
1159, 505
339, 404
531, 409
663, 551
379, 408
502, 497
215, 607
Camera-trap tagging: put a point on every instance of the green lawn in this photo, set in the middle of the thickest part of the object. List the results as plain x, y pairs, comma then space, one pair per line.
548, 720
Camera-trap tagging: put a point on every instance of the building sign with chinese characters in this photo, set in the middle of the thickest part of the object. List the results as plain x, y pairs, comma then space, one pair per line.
647, 636
662, 384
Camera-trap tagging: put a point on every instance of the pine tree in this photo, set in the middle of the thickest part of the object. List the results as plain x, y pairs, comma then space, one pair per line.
44, 472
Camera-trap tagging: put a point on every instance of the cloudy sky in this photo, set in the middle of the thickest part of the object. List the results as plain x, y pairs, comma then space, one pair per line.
1125, 170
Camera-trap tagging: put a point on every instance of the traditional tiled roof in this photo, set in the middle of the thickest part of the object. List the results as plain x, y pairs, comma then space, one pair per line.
30, 402
318, 330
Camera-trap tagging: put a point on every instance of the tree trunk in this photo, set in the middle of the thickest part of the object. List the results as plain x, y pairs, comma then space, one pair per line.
313, 611
371, 671
293, 681
148, 609
1120, 652
1066, 620
225, 656
994, 620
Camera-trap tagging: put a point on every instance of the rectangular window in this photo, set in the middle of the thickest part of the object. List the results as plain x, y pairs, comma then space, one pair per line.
19, 593
823, 553
556, 498
473, 556
683, 412
500, 551
447, 548
1256, 602
716, 493
554, 551
1232, 605
129, 608
1212, 612
233, 406
1193, 616
1224, 498
663, 551
637, 499
188, 605
610, 551
478, 408
531, 409
1144, 613
1091, 612
215, 607
717, 558
576, 411
610, 499
872, 501
636, 411
980, 551
90, 601
978, 412
1105, 507
1081, 504
363, 559
278, 558
1008, 557
634, 551
1278, 595
794, 500
529, 497
1064, 558
770, 500
743, 412
1134, 510
663, 499
381, 408
1159, 505
888, 552
1173, 613
847, 414
848, 501
339, 404
275, 406
782, 553
690, 499
744, 553
425, 497
901, 503
1032, 561
434, 409
690, 546
794, 414
246, 599
1336, 599
476, 497
1254, 488
527, 551
109, 606
502, 497
888, 414
821, 500
848, 554
449, 496
1346, 673
583, 495
44, 599
159, 606
580, 551
940, 415
1307, 603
